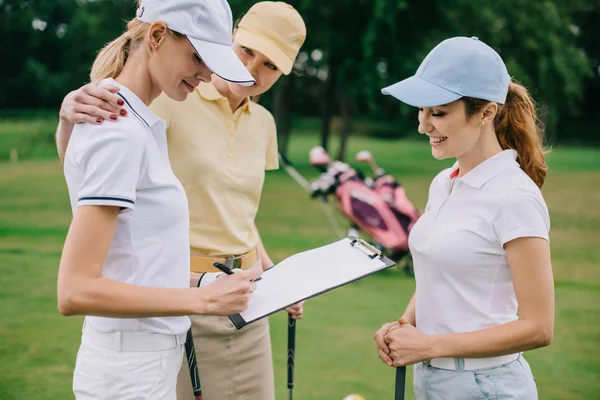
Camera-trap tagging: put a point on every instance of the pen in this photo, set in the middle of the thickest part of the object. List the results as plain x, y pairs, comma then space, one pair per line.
224, 268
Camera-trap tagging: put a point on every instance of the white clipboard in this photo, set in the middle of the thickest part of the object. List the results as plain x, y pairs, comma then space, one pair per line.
309, 274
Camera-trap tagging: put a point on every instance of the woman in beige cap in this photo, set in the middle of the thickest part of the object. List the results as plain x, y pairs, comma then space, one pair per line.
220, 143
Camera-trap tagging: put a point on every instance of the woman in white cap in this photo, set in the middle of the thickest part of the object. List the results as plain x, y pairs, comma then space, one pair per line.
220, 144
125, 263
481, 249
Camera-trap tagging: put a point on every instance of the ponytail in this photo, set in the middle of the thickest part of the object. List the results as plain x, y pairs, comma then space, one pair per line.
110, 61
519, 128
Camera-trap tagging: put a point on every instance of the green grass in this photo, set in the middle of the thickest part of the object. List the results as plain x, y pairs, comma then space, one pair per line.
335, 352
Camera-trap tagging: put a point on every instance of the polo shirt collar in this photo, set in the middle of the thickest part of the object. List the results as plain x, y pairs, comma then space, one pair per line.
488, 169
210, 93
137, 106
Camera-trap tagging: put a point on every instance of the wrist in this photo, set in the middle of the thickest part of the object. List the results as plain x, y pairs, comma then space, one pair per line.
437, 346
202, 301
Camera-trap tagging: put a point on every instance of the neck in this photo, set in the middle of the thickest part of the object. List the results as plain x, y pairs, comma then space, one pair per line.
222, 87
487, 146
136, 77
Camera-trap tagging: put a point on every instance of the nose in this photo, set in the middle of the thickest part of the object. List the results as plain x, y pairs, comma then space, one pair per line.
425, 125
253, 66
204, 75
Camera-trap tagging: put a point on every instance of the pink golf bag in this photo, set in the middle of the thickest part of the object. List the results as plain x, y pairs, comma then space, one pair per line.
378, 207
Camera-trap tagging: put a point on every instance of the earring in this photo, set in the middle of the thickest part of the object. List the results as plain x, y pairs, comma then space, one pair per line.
156, 46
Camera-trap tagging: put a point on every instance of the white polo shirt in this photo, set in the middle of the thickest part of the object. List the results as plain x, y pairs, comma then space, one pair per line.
462, 274
126, 164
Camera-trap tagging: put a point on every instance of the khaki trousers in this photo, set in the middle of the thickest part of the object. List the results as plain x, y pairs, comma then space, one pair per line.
232, 364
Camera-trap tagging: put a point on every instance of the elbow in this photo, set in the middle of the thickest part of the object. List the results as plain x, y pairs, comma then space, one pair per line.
68, 304
543, 336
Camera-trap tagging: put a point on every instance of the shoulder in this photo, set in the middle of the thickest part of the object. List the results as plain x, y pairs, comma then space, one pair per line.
260, 112
514, 184
440, 180
124, 134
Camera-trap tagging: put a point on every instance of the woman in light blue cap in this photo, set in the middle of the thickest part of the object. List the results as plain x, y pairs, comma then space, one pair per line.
484, 287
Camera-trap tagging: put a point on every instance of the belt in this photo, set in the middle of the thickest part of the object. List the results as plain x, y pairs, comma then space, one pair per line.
469, 364
132, 341
201, 263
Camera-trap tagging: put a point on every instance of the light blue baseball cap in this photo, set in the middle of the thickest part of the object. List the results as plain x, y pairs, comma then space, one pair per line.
455, 68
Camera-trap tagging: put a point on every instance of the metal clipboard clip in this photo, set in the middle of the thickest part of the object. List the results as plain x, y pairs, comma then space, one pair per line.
365, 247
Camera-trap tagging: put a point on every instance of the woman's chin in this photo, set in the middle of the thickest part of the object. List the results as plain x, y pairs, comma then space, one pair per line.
242, 91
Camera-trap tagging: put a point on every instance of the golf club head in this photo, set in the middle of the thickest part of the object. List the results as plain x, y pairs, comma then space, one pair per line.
364, 156
319, 158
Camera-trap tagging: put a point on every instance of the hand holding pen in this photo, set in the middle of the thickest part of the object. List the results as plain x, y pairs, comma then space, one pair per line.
224, 268
230, 293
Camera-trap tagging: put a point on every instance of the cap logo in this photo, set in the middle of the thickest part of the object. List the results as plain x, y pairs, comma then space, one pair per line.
140, 12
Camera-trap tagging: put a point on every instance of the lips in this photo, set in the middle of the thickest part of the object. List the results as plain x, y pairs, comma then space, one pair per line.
437, 140
188, 86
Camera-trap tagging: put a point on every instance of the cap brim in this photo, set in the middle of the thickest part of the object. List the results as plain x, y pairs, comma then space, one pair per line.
418, 92
267, 48
222, 60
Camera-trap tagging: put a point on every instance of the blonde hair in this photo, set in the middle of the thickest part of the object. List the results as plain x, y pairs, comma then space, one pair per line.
110, 61
519, 128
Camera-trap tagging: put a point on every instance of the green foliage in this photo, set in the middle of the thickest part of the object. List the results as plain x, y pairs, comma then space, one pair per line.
549, 45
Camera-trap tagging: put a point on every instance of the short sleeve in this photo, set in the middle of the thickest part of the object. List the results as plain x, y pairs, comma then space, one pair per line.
272, 156
161, 106
109, 161
522, 213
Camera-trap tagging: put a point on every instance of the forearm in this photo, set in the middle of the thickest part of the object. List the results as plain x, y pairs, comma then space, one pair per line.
108, 298
513, 337
410, 313
262, 252
63, 135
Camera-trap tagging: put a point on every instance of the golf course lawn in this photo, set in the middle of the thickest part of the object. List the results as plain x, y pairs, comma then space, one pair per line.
335, 353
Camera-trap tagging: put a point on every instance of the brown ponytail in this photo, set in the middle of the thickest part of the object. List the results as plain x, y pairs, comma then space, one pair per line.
518, 127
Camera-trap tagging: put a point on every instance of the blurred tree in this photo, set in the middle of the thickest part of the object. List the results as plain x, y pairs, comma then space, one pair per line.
353, 49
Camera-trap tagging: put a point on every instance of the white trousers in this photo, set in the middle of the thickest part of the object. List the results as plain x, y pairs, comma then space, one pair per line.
105, 373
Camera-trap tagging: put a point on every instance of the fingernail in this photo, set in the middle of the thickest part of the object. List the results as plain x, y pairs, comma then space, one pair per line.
120, 102
99, 120
113, 117
389, 363
123, 112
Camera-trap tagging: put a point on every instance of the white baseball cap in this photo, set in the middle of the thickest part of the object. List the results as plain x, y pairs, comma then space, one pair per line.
208, 26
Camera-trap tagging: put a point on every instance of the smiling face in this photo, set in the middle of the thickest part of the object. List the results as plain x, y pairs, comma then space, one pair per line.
451, 134
263, 70
175, 66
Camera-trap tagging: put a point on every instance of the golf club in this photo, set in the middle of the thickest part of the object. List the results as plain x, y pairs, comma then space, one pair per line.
400, 383
291, 354
287, 166
190, 352
365, 156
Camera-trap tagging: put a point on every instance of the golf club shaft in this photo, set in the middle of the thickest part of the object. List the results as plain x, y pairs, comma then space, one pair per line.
291, 354
190, 352
306, 186
400, 383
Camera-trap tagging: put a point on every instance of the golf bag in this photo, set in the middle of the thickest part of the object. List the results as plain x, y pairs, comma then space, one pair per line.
376, 206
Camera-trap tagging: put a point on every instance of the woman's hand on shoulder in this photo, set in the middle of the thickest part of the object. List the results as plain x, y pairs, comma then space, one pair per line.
93, 104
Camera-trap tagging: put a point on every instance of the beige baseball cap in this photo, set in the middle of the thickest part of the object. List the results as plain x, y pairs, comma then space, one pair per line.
275, 29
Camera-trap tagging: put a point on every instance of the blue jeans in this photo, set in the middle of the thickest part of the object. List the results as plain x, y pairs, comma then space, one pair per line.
508, 381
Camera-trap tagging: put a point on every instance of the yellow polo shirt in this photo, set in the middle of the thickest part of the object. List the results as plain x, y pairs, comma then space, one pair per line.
220, 158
